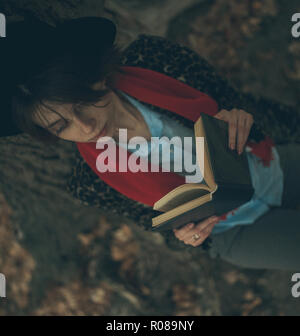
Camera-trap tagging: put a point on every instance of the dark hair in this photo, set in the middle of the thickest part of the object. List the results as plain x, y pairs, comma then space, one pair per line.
66, 79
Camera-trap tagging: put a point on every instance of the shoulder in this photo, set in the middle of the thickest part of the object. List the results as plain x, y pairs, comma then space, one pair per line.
147, 51
166, 56
182, 63
147, 44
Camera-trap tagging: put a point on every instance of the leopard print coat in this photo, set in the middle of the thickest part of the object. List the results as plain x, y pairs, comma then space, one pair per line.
279, 121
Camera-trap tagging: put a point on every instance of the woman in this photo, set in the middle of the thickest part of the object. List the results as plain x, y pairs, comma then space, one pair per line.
81, 91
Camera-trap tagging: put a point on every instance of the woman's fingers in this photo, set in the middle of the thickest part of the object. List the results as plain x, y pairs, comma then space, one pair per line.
241, 133
203, 229
232, 132
244, 129
231, 118
240, 123
180, 233
203, 234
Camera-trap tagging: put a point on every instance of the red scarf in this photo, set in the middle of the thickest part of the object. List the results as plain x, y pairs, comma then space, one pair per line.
170, 94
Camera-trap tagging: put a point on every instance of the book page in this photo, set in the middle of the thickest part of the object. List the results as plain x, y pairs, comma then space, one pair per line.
181, 195
208, 173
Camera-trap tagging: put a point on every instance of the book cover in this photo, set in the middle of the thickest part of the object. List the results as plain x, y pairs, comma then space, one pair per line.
226, 174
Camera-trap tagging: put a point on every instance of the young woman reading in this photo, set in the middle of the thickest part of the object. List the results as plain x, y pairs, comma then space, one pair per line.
76, 84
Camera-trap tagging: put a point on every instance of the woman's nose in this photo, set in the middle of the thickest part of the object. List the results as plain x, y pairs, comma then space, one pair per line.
87, 125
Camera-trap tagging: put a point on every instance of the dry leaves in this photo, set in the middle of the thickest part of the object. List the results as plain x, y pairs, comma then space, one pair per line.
124, 249
218, 37
75, 299
99, 232
185, 299
232, 277
15, 262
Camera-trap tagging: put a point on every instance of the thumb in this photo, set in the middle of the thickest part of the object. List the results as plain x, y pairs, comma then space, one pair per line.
219, 115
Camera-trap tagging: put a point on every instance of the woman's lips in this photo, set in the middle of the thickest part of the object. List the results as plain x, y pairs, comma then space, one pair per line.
101, 134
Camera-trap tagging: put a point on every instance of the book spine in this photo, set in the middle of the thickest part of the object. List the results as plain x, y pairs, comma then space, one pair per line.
195, 215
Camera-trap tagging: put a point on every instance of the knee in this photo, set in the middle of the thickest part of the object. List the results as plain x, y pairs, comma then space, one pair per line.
222, 243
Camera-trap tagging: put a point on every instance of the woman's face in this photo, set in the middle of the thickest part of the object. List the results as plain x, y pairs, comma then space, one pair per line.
87, 125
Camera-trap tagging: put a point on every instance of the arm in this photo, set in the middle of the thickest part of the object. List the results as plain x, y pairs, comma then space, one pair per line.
162, 55
90, 190
280, 121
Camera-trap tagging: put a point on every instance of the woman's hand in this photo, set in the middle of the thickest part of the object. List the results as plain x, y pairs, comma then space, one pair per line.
239, 122
200, 231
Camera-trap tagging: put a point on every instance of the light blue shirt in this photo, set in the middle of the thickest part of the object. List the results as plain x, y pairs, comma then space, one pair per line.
266, 181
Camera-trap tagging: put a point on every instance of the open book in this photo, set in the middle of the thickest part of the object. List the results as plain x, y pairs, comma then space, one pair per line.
226, 175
